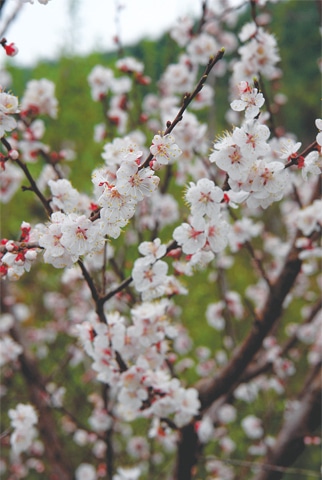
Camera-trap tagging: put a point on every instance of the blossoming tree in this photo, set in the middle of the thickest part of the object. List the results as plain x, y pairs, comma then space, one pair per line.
106, 375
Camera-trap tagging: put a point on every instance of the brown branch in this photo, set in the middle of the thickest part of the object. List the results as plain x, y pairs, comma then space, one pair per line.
258, 262
190, 96
116, 290
297, 196
221, 16
117, 21
33, 184
95, 295
203, 16
187, 453
108, 436
51, 162
55, 454
99, 305
294, 338
248, 245
34, 187
211, 389
89, 281
223, 290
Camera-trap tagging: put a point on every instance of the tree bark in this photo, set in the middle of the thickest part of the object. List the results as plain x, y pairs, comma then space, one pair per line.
187, 454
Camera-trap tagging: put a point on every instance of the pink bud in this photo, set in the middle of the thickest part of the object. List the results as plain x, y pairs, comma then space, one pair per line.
10, 246
244, 87
14, 154
11, 49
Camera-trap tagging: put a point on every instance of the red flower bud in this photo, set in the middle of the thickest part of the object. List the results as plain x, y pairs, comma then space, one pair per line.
11, 49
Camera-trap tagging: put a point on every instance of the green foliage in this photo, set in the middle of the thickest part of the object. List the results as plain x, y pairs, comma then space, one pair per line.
296, 28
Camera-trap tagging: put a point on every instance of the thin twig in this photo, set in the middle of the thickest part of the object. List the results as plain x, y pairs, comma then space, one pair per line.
11, 18
269, 467
116, 290
34, 187
126, 282
108, 436
310, 148
223, 290
249, 247
203, 16
33, 184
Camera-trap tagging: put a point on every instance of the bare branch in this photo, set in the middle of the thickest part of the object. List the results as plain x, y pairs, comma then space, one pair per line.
11, 18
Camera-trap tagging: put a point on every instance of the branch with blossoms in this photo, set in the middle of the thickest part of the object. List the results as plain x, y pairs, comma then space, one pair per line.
130, 249
210, 390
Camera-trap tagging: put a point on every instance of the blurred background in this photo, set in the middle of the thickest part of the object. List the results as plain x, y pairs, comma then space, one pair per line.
81, 26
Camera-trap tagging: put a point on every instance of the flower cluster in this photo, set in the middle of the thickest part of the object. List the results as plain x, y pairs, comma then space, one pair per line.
68, 237
206, 228
39, 98
164, 150
119, 187
23, 421
113, 90
144, 387
9, 350
10, 180
8, 107
258, 56
17, 257
246, 156
149, 272
250, 99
